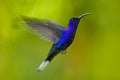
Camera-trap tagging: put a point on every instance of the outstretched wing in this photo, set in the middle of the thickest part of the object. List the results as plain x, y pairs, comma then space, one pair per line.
47, 29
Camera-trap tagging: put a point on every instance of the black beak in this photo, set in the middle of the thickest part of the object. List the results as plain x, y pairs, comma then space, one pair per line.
85, 14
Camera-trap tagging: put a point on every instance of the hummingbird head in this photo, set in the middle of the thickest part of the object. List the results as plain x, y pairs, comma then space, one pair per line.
74, 21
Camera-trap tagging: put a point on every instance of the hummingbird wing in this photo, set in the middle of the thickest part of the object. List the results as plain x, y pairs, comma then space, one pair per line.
47, 29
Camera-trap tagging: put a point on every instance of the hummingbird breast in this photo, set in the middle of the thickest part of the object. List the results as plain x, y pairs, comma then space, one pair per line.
66, 40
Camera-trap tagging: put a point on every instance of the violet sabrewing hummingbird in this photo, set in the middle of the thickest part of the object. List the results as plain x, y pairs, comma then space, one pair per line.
60, 36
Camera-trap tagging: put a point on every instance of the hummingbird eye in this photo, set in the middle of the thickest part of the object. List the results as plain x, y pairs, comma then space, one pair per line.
74, 19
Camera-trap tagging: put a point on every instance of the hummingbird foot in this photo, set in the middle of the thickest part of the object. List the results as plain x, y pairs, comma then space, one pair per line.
63, 52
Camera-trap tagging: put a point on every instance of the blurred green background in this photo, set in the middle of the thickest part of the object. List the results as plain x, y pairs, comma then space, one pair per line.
94, 54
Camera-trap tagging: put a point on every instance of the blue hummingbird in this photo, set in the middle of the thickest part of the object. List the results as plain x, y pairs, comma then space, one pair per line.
60, 36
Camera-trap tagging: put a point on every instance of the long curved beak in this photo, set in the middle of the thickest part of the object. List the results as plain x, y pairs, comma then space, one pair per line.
85, 14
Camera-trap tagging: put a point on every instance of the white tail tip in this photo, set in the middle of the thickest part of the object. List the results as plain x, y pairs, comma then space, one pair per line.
43, 65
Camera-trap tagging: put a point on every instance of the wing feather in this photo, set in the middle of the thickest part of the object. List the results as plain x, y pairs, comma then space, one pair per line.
46, 29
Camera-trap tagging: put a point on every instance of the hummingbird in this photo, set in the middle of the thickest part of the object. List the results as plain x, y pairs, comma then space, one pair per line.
60, 36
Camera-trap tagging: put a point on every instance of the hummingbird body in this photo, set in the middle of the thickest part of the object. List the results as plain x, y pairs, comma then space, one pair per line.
60, 36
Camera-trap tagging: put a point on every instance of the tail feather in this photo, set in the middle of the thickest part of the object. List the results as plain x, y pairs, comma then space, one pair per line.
43, 65
53, 52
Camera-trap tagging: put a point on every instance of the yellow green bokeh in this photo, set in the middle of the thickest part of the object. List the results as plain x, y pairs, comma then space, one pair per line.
94, 54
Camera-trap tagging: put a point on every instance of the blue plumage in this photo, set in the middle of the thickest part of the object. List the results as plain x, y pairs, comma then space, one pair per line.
60, 36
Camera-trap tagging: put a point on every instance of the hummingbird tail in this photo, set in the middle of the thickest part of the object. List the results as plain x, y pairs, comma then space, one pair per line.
53, 52
43, 65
